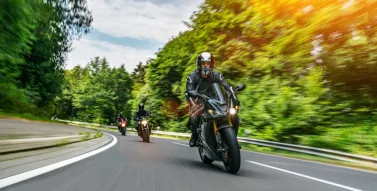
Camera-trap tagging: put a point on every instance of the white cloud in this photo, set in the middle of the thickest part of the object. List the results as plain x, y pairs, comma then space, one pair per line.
141, 19
152, 20
86, 49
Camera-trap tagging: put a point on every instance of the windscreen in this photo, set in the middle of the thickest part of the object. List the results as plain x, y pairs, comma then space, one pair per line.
219, 93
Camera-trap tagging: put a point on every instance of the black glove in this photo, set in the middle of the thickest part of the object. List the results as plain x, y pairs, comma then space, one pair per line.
237, 102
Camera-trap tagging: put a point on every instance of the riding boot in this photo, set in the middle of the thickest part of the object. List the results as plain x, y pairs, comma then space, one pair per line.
194, 133
194, 139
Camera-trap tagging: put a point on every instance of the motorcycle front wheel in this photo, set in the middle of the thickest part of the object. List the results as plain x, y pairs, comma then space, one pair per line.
232, 155
147, 136
203, 157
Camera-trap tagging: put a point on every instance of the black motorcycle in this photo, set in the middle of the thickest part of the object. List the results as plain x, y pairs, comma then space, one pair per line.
218, 128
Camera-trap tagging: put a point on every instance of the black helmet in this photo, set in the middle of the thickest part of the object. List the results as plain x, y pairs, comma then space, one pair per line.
205, 57
141, 106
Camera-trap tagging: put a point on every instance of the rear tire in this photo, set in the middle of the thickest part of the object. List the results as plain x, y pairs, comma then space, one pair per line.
231, 158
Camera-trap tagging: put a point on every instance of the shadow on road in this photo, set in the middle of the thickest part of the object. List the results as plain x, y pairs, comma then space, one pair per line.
140, 141
216, 166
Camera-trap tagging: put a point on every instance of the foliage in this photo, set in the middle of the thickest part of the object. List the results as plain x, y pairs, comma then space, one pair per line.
309, 66
96, 93
37, 35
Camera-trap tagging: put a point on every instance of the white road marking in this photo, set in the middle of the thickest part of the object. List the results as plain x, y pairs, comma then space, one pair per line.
308, 161
36, 172
180, 144
305, 176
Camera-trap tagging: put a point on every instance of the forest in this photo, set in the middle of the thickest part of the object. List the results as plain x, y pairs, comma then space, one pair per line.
310, 68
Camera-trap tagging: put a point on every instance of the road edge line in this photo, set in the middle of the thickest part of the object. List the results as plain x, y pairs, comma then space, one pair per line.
305, 176
42, 170
310, 161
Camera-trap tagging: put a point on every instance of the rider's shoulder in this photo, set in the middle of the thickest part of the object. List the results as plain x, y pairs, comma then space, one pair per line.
214, 72
217, 74
193, 75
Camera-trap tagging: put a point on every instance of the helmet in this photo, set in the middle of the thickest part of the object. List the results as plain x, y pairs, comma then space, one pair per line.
205, 57
141, 106
121, 113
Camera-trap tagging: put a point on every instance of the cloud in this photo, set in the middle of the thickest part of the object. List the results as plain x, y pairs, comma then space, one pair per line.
86, 49
142, 19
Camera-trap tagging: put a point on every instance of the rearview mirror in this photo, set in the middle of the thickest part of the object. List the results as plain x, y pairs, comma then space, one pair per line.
240, 87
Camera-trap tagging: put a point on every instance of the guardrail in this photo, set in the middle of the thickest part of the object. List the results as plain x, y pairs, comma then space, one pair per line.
285, 146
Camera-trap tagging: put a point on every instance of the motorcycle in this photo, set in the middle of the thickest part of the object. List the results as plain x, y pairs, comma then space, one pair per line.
122, 126
218, 129
144, 129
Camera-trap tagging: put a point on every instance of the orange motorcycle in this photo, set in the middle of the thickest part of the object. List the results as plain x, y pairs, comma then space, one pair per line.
122, 126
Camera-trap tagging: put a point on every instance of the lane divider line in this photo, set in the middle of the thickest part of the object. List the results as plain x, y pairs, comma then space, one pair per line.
39, 171
180, 144
305, 176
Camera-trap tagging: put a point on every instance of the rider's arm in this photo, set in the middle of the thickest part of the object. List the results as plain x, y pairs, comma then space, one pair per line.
190, 82
220, 79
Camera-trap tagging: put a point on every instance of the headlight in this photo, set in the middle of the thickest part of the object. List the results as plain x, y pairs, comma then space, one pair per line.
144, 122
232, 111
123, 125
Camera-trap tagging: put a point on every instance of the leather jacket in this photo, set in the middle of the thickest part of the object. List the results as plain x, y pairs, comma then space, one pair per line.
195, 82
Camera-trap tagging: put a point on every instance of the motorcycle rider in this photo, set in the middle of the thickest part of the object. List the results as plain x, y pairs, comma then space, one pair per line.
140, 113
119, 119
200, 80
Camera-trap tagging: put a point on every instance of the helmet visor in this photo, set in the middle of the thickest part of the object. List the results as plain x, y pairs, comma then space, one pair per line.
205, 64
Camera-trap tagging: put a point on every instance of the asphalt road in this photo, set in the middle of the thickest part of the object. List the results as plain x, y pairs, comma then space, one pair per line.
169, 165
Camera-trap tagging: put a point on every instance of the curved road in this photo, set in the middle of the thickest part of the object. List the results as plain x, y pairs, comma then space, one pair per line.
169, 165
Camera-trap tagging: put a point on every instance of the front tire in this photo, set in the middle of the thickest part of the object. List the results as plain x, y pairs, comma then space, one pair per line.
203, 157
232, 157
146, 133
121, 130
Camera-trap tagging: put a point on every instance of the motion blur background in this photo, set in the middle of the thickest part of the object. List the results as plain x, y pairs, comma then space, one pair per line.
310, 67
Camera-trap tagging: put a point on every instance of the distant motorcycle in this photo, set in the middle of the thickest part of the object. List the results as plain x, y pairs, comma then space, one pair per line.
217, 133
144, 127
122, 126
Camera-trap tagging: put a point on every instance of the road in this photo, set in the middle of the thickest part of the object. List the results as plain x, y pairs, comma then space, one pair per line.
170, 165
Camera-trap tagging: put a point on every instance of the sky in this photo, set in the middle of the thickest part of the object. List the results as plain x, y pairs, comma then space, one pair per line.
130, 31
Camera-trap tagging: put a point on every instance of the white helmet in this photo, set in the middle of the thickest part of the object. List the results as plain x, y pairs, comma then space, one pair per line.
205, 57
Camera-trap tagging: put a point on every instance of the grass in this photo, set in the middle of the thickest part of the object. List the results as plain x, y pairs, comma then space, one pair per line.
98, 134
86, 136
63, 142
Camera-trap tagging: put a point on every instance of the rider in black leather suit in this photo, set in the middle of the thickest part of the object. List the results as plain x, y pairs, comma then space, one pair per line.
200, 80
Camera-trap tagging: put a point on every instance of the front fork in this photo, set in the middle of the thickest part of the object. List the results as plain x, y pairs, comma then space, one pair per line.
219, 146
